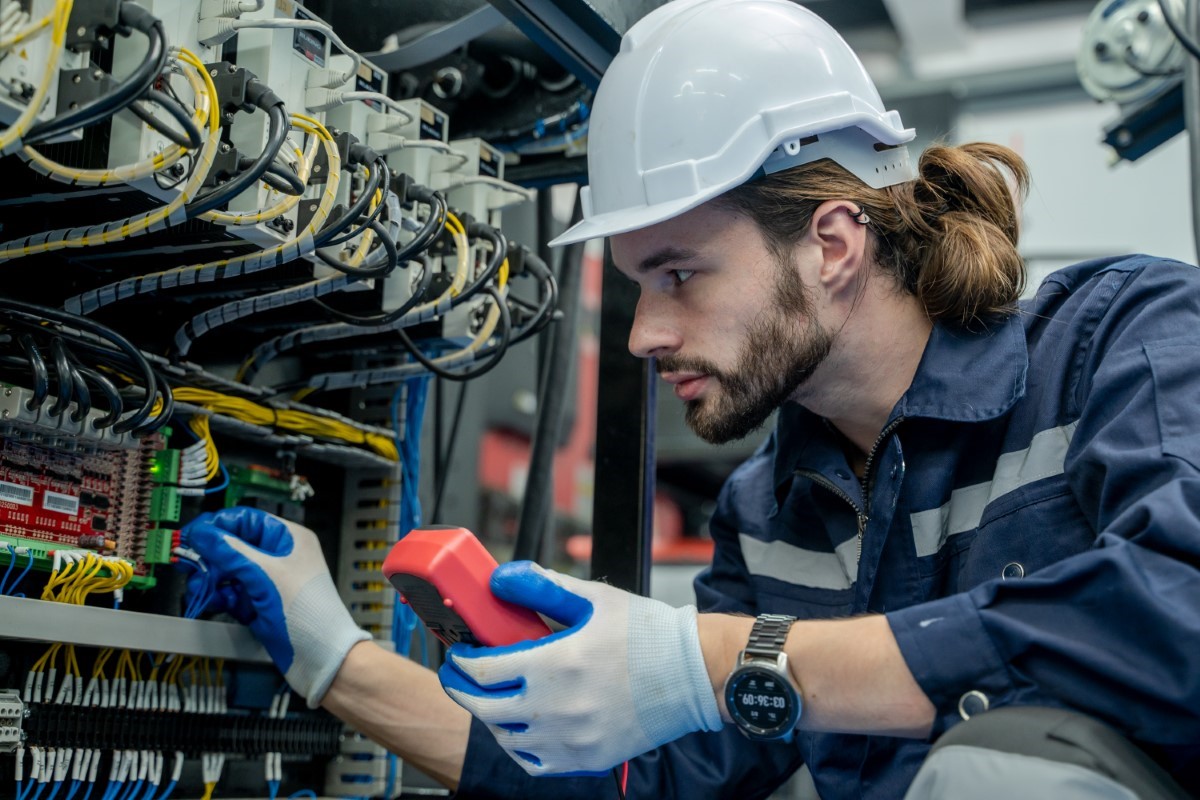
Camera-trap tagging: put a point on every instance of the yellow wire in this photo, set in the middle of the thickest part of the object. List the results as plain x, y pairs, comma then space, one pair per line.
29, 30
288, 419
208, 791
10, 137
144, 222
132, 172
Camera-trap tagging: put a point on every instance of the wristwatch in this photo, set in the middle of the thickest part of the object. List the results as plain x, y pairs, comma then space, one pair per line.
759, 693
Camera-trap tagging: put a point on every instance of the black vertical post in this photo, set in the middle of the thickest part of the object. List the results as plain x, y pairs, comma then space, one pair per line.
623, 505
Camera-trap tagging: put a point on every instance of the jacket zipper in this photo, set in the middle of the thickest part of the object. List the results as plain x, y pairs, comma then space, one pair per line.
867, 484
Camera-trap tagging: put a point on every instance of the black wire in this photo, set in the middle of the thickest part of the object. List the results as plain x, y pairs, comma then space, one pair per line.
276, 137
64, 375
107, 388
448, 454
164, 415
499, 253
324, 237
279, 177
190, 138
391, 316
125, 92
83, 398
385, 180
38, 314
1188, 42
434, 224
41, 375
183, 176
497, 354
620, 787
389, 266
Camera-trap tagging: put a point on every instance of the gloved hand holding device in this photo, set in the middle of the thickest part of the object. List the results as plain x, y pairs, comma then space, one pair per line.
272, 576
625, 675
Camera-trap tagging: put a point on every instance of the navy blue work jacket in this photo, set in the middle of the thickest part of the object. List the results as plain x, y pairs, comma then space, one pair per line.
1030, 525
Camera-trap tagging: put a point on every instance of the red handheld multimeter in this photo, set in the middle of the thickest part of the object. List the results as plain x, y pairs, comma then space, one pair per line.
443, 574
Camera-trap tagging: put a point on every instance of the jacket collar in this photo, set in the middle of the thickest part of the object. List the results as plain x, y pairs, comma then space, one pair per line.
962, 377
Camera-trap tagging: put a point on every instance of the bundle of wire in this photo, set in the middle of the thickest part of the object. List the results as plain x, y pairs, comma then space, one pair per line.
173, 212
70, 340
289, 419
303, 244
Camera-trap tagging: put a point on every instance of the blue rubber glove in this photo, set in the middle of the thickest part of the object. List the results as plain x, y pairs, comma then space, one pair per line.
272, 576
625, 676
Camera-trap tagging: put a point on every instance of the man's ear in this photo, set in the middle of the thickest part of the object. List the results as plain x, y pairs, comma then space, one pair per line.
842, 239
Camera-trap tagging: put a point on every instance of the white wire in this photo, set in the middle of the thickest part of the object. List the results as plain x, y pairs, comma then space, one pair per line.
379, 97
310, 25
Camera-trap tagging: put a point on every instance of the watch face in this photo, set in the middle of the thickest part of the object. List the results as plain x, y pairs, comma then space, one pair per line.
762, 702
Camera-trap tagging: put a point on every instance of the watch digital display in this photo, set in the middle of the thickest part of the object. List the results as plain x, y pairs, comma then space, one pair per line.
759, 699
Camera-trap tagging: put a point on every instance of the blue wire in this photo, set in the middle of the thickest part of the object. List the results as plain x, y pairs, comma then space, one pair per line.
149, 793
21, 577
12, 559
166, 793
303, 793
390, 787
54, 790
88, 794
41, 787
220, 487
71, 792
20, 790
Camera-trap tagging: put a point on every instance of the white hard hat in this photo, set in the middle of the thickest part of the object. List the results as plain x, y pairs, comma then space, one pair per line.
705, 94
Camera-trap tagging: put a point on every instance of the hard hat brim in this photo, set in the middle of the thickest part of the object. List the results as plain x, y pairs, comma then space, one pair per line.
625, 220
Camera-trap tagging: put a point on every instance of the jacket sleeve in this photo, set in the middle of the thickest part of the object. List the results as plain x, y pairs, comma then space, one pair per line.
1112, 631
721, 764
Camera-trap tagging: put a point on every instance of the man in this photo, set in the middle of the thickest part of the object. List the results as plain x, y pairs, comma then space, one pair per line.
965, 507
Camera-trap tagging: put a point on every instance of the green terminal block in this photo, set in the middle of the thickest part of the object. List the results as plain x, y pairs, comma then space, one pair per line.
158, 545
165, 504
164, 466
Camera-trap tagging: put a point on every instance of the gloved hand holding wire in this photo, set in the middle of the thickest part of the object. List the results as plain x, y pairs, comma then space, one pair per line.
626, 675
270, 574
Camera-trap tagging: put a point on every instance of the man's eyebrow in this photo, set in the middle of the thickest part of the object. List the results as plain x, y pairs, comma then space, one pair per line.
665, 256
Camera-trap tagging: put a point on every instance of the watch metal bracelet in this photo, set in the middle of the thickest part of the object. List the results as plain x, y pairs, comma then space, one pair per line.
769, 633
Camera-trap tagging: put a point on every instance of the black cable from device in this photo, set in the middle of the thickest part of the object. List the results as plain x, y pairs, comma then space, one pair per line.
385, 180
434, 224
276, 137
128, 90
620, 786
36, 315
83, 398
499, 253
164, 414
497, 354
41, 375
191, 138
448, 454
64, 376
278, 177
116, 406
385, 269
325, 236
389, 317
1188, 42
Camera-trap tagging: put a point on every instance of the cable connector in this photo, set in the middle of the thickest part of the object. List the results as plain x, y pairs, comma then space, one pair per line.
215, 31
325, 79
228, 8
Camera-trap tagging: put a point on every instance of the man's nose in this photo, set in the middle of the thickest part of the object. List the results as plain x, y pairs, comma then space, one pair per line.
655, 332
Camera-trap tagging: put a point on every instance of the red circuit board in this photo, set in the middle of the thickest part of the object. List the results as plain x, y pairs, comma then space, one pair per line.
74, 500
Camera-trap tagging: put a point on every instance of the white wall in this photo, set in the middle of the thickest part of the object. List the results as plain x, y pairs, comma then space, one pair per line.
1079, 206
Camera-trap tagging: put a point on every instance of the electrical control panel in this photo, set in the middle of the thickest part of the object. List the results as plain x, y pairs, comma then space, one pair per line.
237, 257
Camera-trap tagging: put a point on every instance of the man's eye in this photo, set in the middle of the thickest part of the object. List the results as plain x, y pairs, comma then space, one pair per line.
682, 275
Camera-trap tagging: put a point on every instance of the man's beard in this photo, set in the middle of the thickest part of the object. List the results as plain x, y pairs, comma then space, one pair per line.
775, 359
